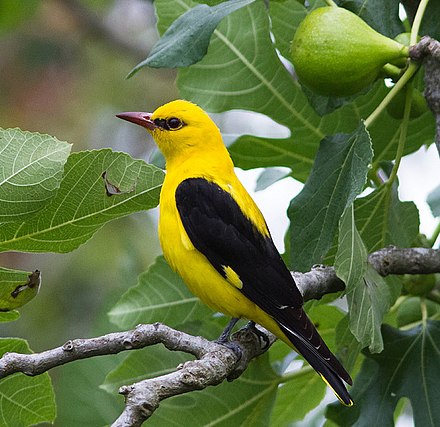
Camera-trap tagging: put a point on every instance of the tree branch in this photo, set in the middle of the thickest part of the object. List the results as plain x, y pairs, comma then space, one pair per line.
215, 362
428, 51
392, 260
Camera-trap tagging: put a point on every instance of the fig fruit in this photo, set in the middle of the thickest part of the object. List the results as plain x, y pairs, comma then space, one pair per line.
335, 53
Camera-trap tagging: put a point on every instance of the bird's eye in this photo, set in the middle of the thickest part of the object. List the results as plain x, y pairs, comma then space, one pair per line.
174, 123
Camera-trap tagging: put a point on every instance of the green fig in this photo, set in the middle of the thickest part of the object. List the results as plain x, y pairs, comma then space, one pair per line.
335, 53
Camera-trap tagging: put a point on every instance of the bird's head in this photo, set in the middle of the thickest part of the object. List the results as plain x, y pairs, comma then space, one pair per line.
179, 128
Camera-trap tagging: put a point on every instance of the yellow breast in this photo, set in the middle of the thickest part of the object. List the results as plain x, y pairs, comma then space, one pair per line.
200, 276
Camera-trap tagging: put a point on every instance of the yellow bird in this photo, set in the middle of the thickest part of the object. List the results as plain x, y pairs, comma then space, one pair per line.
213, 234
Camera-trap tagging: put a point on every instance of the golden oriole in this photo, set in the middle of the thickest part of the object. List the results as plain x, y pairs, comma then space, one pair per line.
213, 234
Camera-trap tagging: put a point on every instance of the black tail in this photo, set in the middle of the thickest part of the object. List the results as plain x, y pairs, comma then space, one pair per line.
306, 339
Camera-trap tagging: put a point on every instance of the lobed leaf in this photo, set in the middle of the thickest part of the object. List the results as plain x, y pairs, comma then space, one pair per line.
97, 187
30, 174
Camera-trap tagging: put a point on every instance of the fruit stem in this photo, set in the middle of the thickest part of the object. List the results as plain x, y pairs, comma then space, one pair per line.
402, 136
417, 21
411, 70
331, 3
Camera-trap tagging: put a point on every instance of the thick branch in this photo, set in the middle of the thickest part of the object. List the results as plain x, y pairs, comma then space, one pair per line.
141, 336
428, 51
214, 363
394, 260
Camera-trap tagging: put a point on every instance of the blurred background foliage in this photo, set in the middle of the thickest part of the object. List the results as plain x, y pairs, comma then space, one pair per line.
62, 72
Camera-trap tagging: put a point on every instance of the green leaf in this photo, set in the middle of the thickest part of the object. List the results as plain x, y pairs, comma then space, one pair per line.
186, 40
160, 295
77, 386
24, 400
246, 402
348, 347
368, 303
387, 22
429, 26
368, 294
31, 172
9, 316
338, 176
250, 152
268, 177
351, 258
285, 18
410, 311
297, 397
17, 288
243, 67
382, 219
407, 367
97, 187
434, 201
146, 363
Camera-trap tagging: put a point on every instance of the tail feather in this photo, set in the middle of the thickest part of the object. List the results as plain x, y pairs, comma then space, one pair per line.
311, 346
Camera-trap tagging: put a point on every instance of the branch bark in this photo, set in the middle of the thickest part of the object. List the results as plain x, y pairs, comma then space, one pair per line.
428, 51
214, 363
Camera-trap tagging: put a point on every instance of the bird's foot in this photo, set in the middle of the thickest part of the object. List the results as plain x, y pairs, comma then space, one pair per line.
223, 339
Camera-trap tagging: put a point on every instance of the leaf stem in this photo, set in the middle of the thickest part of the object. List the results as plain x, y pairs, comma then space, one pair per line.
403, 133
331, 3
417, 21
434, 237
295, 374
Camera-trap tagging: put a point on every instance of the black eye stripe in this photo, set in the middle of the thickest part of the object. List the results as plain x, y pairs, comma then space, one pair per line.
173, 123
162, 123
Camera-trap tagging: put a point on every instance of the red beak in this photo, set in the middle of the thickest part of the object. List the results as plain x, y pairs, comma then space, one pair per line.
141, 119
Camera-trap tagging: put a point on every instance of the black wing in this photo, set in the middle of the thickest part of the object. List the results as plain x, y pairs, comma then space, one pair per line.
218, 229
